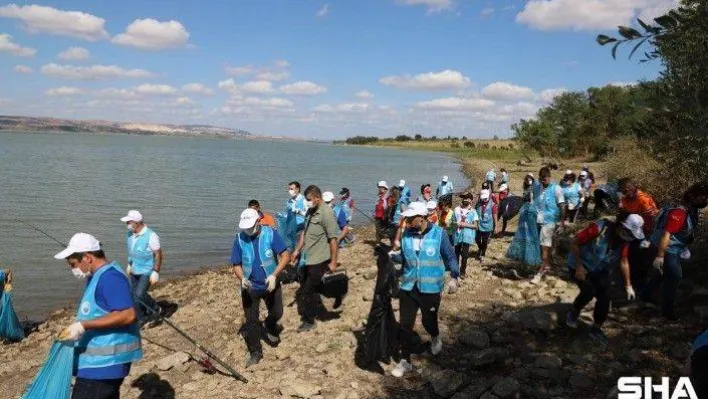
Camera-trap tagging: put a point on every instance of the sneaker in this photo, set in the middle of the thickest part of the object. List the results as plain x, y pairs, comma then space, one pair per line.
481, 259
436, 345
272, 336
305, 326
536, 279
401, 368
598, 335
571, 320
253, 358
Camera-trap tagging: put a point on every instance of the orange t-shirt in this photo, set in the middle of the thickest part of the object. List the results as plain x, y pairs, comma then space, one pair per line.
267, 220
643, 205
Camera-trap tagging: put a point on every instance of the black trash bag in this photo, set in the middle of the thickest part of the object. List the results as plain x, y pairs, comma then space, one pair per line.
381, 335
509, 207
606, 198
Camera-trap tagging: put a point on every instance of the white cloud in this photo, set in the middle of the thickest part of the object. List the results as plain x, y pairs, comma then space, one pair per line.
197, 88
184, 101
346, 108
303, 88
94, 72
155, 90
456, 103
622, 84
487, 12
22, 69
589, 14
549, 94
273, 76
257, 87
42, 19
431, 5
323, 11
150, 34
255, 106
228, 85
240, 70
74, 53
64, 91
114, 93
282, 63
7, 46
364, 95
506, 91
443, 80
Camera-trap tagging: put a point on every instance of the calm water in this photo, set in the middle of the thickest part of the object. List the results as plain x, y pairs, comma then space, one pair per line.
190, 190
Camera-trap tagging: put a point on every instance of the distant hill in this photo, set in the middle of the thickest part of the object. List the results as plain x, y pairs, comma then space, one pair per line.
31, 124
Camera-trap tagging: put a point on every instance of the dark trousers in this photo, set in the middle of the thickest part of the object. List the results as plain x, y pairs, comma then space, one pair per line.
670, 279
571, 215
410, 303
491, 185
482, 239
462, 251
380, 229
96, 389
251, 306
310, 302
595, 285
141, 285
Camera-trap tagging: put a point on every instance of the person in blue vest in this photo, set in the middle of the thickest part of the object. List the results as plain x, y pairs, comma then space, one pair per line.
674, 230
106, 331
504, 177
444, 187
466, 225
696, 367
258, 256
489, 178
425, 253
339, 215
297, 205
573, 194
144, 261
595, 252
485, 211
405, 194
347, 204
549, 200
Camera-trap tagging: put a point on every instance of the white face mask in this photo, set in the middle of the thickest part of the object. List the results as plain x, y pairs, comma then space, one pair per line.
309, 204
129, 227
292, 193
79, 274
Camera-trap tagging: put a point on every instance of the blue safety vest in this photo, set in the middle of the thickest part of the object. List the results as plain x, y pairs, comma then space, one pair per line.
597, 255
140, 256
405, 196
105, 347
549, 206
396, 218
466, 235
486, 218
426, 268
295, 205
679, 241
444, 189
265, 252
572, 194
491, 176
504, 178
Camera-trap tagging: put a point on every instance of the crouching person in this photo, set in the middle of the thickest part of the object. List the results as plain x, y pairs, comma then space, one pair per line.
259, 255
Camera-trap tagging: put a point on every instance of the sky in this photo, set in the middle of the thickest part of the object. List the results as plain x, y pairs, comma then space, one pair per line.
312, 69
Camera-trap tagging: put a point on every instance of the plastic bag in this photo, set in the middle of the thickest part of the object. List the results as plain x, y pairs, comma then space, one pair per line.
287, 227
526, 245
10, 327
54, 378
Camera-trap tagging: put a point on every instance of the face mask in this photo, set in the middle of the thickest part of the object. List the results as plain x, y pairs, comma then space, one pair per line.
309, 204
252, 231
79, 274
292, 193
129, 227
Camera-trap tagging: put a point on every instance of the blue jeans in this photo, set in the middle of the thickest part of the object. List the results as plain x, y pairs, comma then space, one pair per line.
671, 279
141, 284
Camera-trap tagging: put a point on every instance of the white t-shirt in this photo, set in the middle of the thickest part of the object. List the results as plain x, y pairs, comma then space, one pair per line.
154, 240
541, 199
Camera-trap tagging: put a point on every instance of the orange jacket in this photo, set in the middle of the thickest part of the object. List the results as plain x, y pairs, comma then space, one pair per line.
643, 205
267, 220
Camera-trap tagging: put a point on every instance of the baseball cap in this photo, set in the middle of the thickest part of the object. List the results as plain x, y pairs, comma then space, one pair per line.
249, 218
382, 183
503, 187
634, 223
430, 205
327, 196
484, 194
583, 173
343, 191
568, 172
80, 242
445, 178
415, 209
401, 183
133, 216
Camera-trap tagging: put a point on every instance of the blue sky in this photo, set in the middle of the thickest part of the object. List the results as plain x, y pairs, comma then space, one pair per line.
311, 69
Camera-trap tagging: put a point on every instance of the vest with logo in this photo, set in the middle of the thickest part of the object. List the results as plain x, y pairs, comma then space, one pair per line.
486, 217
105, 347
677, 242
466, 235
597, 256
405, 196
265, 252
549, 206
295, 205
140, 256
572, 194
426, 268
491, 176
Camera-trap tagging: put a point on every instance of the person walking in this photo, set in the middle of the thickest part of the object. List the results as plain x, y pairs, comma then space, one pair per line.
266, 219
587, 191
447, 219
405, 193
634, 200
573, 194
467, 222
296, 204
106, 331
339, 215
525, 246
504, 177
425, 253
489, 178
144, 261
426, 194
318, 246
258, 256
445, 187
432, 207
347, 205
382, 204
485, 210
549, 200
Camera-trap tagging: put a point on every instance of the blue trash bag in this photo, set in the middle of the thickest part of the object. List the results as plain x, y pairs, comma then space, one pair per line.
10, 327
526, 245
54, 378
287, 227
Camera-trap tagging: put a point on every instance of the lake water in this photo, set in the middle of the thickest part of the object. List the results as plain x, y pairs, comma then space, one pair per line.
190, 190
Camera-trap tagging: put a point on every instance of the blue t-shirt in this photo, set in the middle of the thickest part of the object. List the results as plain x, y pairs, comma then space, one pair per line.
113, 293
258, 275
342, 220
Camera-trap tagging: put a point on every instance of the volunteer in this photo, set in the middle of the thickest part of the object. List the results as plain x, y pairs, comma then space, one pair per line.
586, 184
405, 193
549, 200
347, 205
447, 219
499, 198
573, 194
444, 187
634, 200
467, 221
432, 207
380, 210
426, 194
266, 219
296, 204
489, 178
504, 177
485, 212
339, 215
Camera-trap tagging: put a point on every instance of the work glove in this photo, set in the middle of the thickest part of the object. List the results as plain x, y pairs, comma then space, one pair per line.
452, 286
270, 283
129, 270
658, 265
645, 244
246, 285
630, 293
686, 254
154, 277
72, 333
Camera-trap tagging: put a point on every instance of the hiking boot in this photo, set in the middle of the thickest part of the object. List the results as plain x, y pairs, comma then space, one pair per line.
338, 302
305, 326
273, 337
436, 345
598, 335
402, 368
571, 320
253, 358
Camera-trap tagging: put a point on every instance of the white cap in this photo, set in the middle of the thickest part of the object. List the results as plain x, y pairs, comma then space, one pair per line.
583, 173
445, 178
133, 216
431, 205
249, 218
415, 209
401, 183
634, 223
503, 187
383, 184
568, 172
328, 196
484, 194
80, 242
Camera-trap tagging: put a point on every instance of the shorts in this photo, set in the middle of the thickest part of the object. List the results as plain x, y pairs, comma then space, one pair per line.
546, 234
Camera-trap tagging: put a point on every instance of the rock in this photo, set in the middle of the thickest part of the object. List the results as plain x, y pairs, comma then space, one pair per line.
488, 395
475, 338
487, 356
446, 382
550, 362
579, 360
536, 319
299, 389
475, 388
520, 374
506, 388
680, 351
173, 360
368, 296
580, 381
354, 385
370, 273
633, 356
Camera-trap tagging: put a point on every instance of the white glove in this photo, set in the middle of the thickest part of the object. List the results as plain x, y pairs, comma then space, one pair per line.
452, 286
129, 270
645, 244
154, 277
686, 254
270, 283
658, 264
72, 333
630, 293
246, 284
